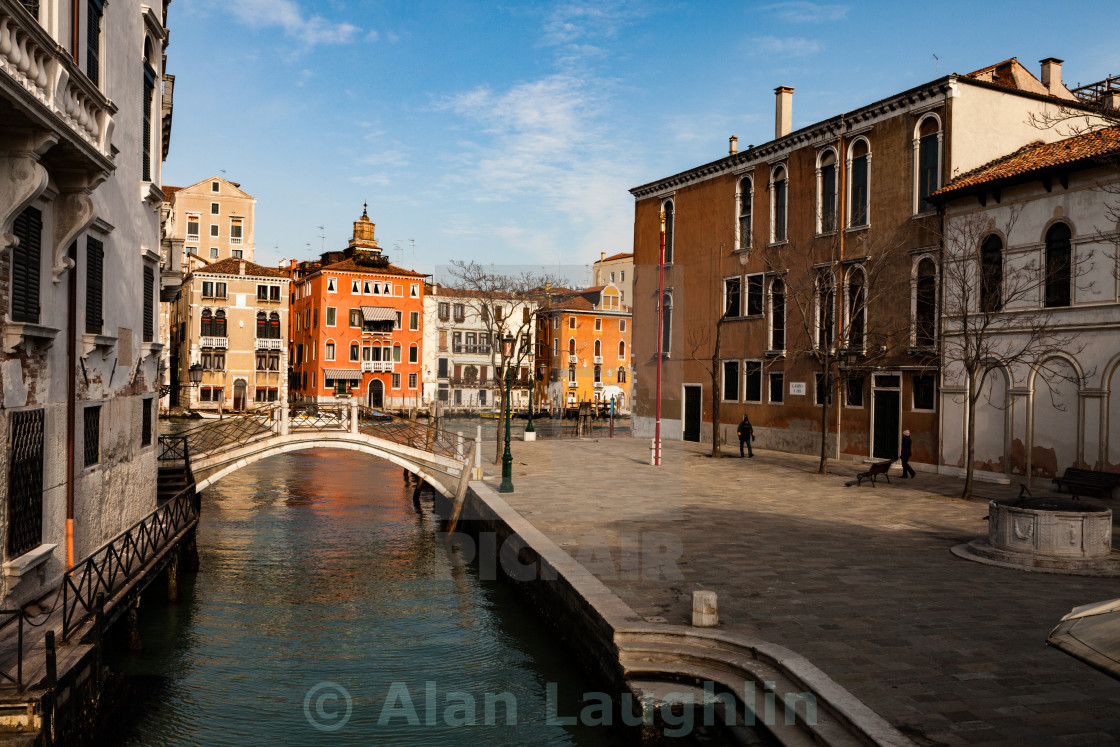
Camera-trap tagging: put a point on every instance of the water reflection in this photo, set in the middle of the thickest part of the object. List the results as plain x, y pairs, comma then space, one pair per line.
319, 576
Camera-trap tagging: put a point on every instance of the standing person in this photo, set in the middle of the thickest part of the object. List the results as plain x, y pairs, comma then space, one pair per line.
746, 435
907, 470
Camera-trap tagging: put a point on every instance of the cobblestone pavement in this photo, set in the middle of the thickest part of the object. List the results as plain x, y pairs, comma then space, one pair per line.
858, 579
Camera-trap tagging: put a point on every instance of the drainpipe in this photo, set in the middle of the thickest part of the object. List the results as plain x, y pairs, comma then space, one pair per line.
71, 396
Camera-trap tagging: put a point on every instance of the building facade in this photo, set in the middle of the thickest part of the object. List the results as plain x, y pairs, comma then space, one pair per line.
584, 351
616, 270
811, 248
81, 147
357, 327
231, 317
462, 356
1031, 258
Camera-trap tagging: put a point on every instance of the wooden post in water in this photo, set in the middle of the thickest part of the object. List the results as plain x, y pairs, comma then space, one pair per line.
173, 578
132, 618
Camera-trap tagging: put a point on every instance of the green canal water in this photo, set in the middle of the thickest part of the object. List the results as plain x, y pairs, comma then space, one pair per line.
326, 611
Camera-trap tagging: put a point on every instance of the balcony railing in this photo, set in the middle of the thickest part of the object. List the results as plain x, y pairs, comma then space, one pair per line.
59, 88
377, 366
269, 344
573, 358
598, 360
210, 341
599, 385
573, 384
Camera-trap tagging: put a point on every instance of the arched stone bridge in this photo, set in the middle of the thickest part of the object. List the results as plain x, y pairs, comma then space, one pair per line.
218, 448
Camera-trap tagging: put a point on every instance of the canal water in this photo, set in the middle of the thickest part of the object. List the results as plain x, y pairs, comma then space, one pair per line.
326, 611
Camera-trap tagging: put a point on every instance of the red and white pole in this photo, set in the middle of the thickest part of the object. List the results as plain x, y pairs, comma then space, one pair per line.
660, 342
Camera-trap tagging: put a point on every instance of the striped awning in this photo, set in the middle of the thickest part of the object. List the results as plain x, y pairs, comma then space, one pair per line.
379, 313
351, 374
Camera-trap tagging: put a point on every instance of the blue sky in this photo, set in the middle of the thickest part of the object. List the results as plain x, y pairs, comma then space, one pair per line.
511, 133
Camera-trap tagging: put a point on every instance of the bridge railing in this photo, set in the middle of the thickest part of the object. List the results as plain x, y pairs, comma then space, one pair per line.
120, 560
410, 433
234, 430
310, 417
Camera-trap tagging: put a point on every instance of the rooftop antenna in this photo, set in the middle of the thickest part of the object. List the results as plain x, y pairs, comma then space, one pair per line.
936, 65
322, 239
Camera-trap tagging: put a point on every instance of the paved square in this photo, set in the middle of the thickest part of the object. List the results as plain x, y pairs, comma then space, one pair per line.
858, 579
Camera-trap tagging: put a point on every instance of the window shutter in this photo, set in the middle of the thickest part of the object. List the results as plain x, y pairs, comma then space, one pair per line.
149, 303
28, 228
93, 42
146, 146
95, 278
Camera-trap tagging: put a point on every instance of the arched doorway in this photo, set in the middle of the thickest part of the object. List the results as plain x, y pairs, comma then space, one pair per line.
239, 389
376, 397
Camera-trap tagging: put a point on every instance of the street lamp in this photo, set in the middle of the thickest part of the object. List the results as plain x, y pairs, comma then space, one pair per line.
195, 374
532, 385
507, 458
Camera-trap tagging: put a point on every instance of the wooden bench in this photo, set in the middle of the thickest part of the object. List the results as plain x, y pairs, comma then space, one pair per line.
878, 468
1088, 482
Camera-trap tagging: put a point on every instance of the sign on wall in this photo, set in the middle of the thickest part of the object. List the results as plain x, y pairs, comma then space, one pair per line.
797, 388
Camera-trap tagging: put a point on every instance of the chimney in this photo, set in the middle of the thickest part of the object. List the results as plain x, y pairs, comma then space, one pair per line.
241, 267
783, 111
733, 146
1052, 74
602, 256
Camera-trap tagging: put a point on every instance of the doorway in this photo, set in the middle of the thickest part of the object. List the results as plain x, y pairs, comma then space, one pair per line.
376, 397
884, 437
239, 389
693, 393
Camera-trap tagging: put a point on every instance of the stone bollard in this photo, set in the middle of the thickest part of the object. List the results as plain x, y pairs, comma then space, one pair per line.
704, 614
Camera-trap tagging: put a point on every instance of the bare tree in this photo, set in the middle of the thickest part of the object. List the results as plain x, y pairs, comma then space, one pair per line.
698, 340
994, 314
836, 310
506, 304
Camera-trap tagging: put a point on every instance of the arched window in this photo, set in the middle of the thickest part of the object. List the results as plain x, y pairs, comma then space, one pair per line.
622, 374
219, 323
262, 325
778, 198
397, 353
666, 323
413, 356
746, 194
860, 175
667, 208
826, 192
207, 324
622, 350
598, 348
149, 81
571, 373
928, 161
274, 326
991, 274
826, 302
329, 351
1058, 259
778, 314
598, 374
925, 306
857, 309
355, 352
571, 346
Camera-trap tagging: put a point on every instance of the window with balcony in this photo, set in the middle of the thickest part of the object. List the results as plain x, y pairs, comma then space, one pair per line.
598, 349
571, 346
192, 227
26, 259
235, 231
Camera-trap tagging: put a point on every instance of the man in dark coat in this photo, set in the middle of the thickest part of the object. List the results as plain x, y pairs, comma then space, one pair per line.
907, 470
746, 435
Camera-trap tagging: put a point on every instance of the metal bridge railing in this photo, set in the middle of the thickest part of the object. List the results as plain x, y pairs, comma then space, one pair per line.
232, 431
406, 432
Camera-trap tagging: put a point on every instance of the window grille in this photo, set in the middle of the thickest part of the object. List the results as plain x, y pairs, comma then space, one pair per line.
25, 482
92, 435
146, 425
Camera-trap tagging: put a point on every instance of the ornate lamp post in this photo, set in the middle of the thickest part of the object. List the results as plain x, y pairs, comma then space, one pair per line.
532, 385
507, 458
195, 374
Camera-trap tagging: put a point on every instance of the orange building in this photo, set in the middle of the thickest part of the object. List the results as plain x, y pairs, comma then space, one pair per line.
356, 327
584, 348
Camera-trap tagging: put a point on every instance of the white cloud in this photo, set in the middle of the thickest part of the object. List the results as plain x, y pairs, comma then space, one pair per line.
806, 12
288, 15
784, 47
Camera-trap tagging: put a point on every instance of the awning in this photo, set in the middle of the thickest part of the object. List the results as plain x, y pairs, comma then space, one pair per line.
379, 314
352, 374
1091, 633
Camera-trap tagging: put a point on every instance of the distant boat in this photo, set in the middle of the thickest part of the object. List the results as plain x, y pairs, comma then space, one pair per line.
490, 415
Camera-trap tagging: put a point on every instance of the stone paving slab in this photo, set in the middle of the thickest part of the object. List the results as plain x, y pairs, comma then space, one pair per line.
860, 580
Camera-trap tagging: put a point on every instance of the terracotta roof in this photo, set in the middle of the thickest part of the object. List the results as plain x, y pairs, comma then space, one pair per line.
595, 289
625, 255
445, 292
232, 266
349, 265
1082, 150
168, 191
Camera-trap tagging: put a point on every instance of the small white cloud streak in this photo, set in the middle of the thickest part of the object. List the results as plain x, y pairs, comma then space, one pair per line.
806, 12
287, 15
784, 47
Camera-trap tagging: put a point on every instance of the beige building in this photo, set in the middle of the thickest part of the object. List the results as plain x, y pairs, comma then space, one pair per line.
616, 270
214, 220
232, 318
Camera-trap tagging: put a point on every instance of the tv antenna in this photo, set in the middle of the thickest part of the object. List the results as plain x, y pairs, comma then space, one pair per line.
322, 239
936, 61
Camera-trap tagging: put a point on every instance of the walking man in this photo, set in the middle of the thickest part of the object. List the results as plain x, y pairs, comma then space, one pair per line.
907, 470
746, 435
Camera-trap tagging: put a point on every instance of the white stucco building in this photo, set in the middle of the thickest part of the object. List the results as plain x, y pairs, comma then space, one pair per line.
83, 133
1037, 234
